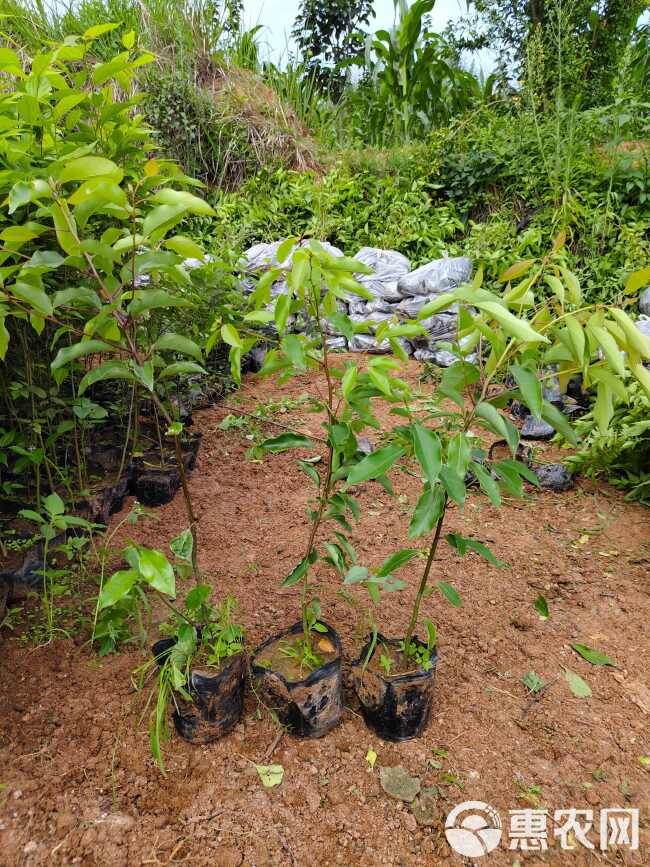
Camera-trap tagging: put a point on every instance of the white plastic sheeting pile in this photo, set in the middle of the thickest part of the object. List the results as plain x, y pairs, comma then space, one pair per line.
397, 292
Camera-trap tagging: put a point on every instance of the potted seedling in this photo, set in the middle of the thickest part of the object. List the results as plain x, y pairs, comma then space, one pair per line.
298, 670
199, 664
508, 342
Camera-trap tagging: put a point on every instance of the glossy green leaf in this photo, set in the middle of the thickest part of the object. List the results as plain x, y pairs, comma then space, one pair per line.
87, 347
541, 607
553, 416
117, 587
36, 298
428, 452
513, 327
450, 593
488, 485
285, 441
89, 167
294, 349
595, 657
178, 343
154, 299
156, 570
181, 368
107, 370
454, 485
374, 465
396, 561
428, 511
530, 387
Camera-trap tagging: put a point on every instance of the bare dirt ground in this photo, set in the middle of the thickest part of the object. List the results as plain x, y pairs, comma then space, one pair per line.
79, 785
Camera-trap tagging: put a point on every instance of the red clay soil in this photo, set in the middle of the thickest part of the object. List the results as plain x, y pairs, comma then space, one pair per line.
78, 782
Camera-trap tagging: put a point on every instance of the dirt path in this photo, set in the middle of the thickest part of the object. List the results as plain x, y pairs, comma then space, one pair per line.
78, 783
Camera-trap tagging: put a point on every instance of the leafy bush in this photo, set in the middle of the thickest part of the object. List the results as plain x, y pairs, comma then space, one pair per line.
621, 455
225, 125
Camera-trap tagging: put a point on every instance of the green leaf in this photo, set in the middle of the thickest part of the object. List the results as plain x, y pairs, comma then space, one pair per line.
98, 30
451, 595
78, 296
285, 441
185, 247
573, 286
270, 775
105, 371
307, 468
374, 465
556, 286
514, 327
285, 248
595, 657
488, 485
637, 280
230, 335
541, 607
462, 544
181, 546
181, 368
294, 349
178, 343
4, 338
636, 340
499, 424
36, 298
20, 194
161, 219
54, 505
516, 270
152, 299
559, 421
117, 587
396, 561
90, 167
454, 485
298, 573
428, 511
144, 373
356, 574
77, 350
156, 570
530, 387
428, 452
533, 682
192, 204
440, 303
261, 316
349, 380
577, 685
610, 348
281, 312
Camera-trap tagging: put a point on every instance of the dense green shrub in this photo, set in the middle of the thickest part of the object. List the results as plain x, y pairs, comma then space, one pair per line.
622, 454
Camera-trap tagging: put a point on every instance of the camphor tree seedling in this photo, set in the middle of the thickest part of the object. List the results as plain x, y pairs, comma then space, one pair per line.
513, 337
197, 635
317, 281
85, 201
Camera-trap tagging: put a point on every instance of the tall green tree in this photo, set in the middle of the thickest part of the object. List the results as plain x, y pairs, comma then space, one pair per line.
329, 35
577, 43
